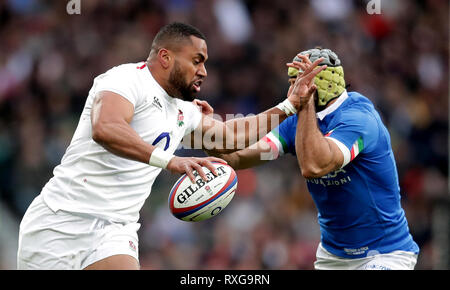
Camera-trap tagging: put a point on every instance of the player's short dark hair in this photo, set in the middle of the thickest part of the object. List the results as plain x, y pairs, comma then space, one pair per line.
171, 35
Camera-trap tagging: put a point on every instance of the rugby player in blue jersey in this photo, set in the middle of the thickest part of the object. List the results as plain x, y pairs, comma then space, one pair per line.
344, 151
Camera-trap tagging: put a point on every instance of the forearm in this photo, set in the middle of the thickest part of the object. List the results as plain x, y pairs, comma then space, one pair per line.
120, 139
314, 152
243, 132
252, 156
232, 159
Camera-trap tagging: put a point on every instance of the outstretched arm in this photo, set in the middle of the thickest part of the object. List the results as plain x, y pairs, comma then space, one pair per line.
220, 137
255, 155
229, 136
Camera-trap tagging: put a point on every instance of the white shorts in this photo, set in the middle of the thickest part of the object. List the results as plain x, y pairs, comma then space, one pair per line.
64, 240
397, 260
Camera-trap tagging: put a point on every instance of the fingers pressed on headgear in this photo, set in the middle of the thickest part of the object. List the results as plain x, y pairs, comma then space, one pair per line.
330, 81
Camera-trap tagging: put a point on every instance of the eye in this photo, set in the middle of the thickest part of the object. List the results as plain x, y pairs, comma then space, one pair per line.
196, 61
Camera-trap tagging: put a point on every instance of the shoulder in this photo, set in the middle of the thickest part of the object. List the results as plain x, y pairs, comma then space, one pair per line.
124, 69
357, 100
120, 75
355, 118
357, 108
123, 80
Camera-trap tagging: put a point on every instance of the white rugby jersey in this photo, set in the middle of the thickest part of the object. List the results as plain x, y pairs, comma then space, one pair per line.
94, 181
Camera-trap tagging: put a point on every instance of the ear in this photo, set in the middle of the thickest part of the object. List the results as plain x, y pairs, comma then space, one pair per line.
165, 58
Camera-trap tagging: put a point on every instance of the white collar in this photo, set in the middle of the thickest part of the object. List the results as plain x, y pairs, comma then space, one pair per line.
322, 114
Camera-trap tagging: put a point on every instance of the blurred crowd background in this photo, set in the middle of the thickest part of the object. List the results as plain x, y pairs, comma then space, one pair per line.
398, 59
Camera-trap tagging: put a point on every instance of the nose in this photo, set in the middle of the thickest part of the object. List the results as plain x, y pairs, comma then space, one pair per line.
202, 71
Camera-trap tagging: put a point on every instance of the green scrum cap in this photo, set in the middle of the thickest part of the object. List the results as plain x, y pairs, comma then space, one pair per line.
330, 82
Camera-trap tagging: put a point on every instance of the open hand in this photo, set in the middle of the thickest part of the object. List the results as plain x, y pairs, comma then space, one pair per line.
303, 88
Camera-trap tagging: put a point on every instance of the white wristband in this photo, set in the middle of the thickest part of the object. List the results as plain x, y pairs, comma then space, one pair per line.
287, 107
160, 158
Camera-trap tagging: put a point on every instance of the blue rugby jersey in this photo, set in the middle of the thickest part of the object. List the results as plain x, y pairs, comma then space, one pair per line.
359, 205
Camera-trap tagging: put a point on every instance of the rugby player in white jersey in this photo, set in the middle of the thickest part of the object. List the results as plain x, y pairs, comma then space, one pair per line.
135, 116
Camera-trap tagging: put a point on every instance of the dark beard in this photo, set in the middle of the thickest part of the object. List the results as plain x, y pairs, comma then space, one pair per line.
179, 88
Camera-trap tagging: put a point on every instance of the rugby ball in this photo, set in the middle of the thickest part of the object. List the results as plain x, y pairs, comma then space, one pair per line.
202, 200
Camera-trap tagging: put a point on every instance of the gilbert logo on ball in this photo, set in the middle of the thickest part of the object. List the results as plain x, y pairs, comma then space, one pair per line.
203, 199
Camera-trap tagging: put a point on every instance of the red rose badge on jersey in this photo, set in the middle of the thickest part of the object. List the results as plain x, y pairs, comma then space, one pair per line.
180, 118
